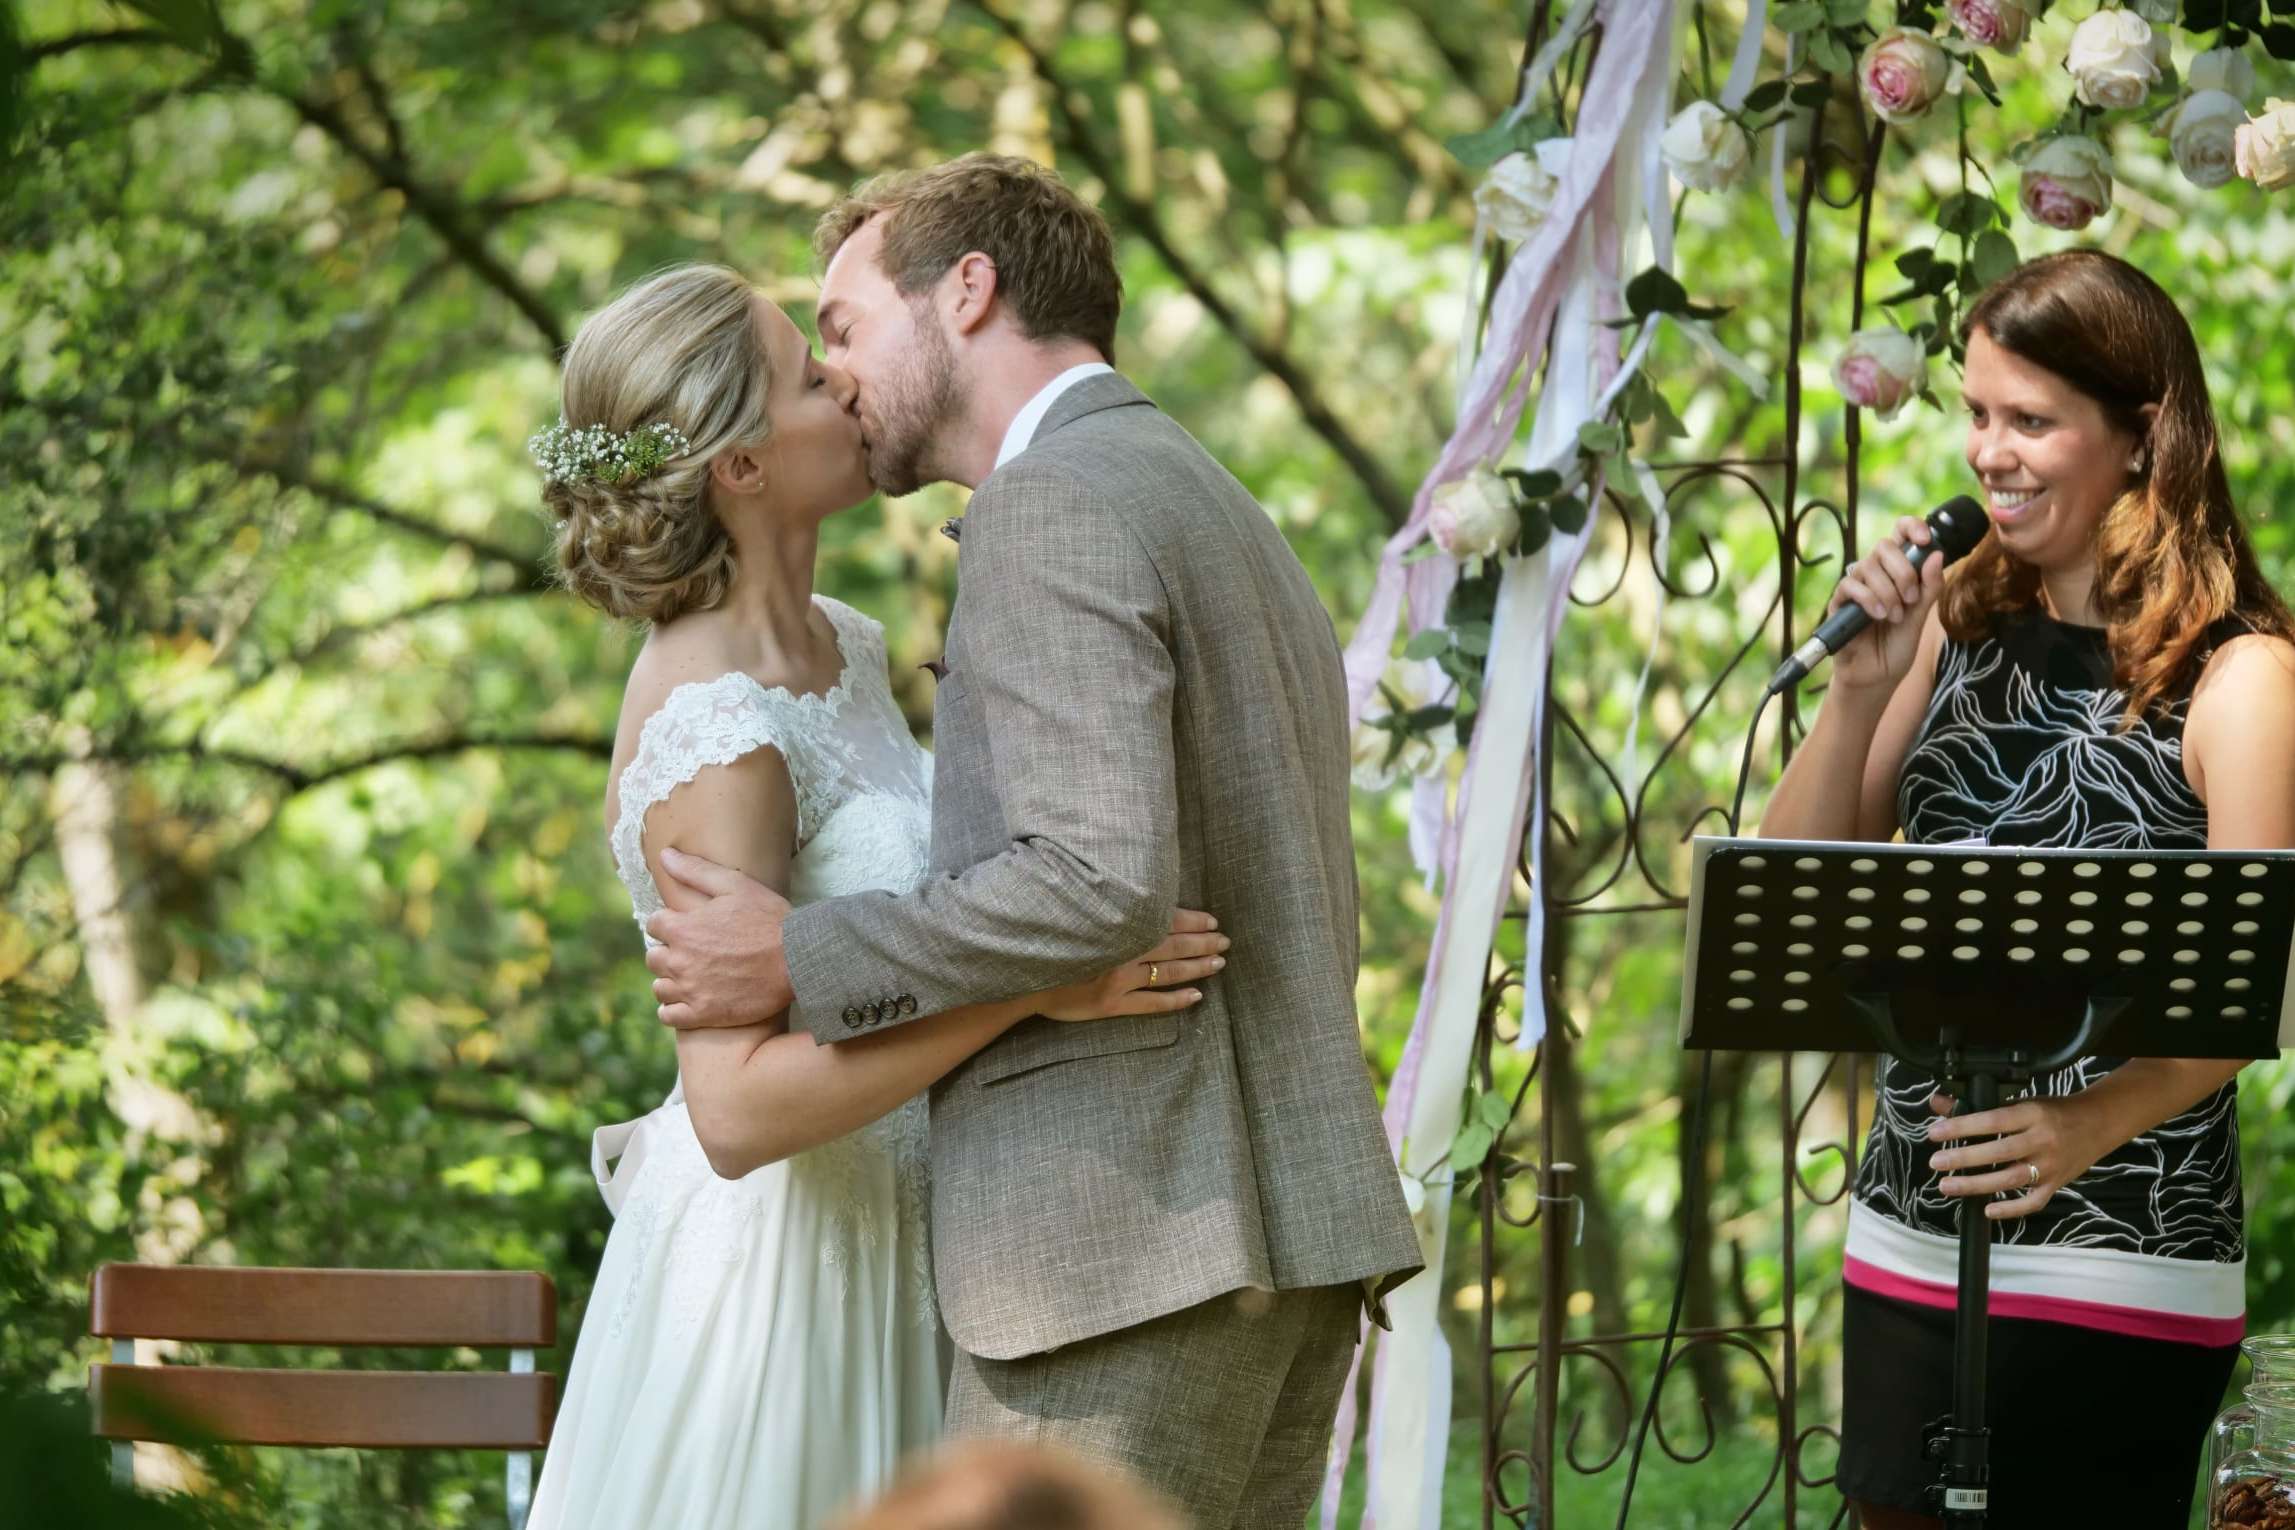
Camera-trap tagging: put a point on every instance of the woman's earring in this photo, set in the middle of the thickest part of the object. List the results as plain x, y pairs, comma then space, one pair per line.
2139, 462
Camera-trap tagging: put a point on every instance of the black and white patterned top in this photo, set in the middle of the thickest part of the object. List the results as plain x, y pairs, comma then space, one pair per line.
2022, 745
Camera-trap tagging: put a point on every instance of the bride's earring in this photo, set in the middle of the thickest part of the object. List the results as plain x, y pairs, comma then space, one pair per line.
2139, 463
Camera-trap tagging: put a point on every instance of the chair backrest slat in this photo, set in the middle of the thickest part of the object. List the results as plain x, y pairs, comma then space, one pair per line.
504, 1309
371, 1409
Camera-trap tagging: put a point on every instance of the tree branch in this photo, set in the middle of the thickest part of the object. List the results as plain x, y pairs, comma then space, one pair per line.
1142, 220
300, 778
237, 61
127, 37
526, 564
434, 209
350, 632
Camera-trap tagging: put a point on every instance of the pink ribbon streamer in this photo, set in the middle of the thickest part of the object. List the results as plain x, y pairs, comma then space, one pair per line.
1636, 49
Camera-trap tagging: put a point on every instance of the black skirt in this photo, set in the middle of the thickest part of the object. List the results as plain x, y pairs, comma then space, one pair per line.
2088, 1427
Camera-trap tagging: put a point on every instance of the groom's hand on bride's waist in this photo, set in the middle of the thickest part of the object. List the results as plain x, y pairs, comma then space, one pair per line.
719, 962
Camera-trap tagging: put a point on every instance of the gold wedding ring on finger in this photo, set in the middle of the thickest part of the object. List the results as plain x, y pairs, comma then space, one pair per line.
1152, 970
2035, 1168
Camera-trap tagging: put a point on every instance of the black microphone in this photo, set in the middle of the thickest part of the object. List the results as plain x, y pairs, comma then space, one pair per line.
1955, 527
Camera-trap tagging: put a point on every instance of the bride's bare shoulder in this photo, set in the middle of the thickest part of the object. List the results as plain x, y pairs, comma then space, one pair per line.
674, 654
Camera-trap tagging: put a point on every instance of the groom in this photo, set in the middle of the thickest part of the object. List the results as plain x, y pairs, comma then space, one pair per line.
1153, 1236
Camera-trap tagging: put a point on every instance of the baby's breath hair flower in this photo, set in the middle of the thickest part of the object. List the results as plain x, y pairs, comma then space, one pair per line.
594, 454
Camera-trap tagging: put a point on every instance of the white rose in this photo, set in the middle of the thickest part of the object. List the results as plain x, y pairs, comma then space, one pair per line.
1902, 74
1421, 753
1474, 516
2113, 60
2226, 69
2201, 132
2264, 148
2067, 183
1880, 369
1705, 147
1517, 193
1991, 23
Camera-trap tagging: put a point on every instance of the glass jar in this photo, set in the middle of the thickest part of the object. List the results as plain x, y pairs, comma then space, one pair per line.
2251, 1453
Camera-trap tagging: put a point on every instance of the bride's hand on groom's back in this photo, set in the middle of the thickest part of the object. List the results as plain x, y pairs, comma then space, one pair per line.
1154, 983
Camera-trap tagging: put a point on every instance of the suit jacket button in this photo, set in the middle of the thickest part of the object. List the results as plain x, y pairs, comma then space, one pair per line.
852, 1017
908, 1003
875, 1013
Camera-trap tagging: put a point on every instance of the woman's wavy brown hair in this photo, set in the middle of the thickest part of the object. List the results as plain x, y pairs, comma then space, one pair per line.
2171, 559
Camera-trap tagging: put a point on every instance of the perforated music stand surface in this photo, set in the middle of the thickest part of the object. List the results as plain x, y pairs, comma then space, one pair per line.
2003, 944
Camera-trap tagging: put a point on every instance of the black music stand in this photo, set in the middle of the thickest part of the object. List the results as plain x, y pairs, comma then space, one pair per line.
1987, 966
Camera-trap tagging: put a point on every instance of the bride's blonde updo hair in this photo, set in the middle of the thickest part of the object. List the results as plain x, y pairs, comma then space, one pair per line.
678, 350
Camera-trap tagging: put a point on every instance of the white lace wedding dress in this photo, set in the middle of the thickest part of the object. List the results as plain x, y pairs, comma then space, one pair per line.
758, 1353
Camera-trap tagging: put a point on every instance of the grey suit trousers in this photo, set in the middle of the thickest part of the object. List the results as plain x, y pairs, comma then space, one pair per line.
1225, 1406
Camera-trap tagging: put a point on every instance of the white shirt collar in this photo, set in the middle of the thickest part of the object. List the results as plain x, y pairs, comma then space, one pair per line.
1031, 415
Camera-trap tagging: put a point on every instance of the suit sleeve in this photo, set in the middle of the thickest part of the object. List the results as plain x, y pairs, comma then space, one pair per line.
1066, 630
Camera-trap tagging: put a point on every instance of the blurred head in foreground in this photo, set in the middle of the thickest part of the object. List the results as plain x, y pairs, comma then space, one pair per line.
996, 1485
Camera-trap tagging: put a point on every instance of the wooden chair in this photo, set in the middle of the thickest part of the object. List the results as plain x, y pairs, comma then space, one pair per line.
381, 1410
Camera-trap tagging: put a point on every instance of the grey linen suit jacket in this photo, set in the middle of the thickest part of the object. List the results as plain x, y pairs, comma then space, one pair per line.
1143, 707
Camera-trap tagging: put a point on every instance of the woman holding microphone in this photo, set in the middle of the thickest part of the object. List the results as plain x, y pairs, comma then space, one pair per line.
2107, 670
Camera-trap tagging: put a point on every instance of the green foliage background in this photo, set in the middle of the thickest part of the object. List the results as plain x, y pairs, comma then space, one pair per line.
282, 284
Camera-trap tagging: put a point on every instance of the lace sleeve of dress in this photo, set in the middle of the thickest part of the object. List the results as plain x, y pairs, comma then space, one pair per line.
860, 636
704, 723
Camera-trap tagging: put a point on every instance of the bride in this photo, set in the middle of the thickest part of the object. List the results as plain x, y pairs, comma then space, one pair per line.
760, 1348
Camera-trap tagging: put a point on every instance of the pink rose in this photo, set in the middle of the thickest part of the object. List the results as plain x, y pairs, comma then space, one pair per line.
1990, 23
1880, 369
1902, 74
2067, 183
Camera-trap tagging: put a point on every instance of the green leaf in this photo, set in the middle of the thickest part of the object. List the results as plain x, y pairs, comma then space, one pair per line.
1569, 513
1830, 54
1669, 424
1981, 76
1494, 1110
1472, 637
1802, 16
1811, 93
1470, 1146
1967, 214
1913, 262
194, 22
1600, 437
1535, 129
1536, 485
1426, 644
2279, 39
1993, 257
1537, 527
1655, 291
1847, 13
1766, 96
1425, 719
1479, 151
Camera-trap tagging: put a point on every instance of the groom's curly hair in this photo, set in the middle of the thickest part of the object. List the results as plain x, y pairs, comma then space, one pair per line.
1055, 259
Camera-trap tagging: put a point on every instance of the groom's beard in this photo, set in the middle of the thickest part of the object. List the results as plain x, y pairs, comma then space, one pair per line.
913, 408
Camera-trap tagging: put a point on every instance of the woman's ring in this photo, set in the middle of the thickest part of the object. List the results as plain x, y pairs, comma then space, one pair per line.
2035, 1168
1153, 969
